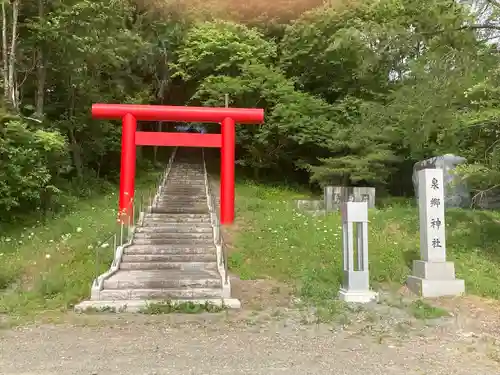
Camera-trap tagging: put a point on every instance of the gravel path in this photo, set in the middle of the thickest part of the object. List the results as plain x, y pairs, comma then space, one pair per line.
160, 345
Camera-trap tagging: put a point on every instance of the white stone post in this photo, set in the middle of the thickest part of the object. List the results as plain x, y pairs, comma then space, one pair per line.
433, 276
356, 281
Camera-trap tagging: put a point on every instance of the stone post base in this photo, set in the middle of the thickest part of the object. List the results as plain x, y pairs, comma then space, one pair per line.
357, 296
435, 279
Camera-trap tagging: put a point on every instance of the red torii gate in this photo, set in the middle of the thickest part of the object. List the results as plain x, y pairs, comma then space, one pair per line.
131, 113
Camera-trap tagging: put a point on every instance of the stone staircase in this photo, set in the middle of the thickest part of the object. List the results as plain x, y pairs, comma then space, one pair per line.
172, 255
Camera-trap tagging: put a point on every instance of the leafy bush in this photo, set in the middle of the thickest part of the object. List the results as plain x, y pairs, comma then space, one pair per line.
30, 163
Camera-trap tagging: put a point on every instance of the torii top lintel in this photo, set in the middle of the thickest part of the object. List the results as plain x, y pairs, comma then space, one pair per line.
177, 113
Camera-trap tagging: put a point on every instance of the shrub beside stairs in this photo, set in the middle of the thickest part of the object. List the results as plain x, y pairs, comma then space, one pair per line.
174, 253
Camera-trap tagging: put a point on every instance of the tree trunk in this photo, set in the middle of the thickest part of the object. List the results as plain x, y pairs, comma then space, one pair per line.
13, 95
138, 149
160, 96
5, 69
76, 150
76, 153
346, 180
155, 149
41, 70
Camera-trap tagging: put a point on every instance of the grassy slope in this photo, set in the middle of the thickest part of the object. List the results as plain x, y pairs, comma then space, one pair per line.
278, 241
50, 267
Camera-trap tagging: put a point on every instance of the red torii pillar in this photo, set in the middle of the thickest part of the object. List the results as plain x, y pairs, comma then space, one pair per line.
131, 113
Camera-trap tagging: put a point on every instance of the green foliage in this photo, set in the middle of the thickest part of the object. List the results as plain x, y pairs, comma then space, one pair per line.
422, 310
479, 132
354, 92
222, 48
168, 307
360, 88
85, 52
30, 162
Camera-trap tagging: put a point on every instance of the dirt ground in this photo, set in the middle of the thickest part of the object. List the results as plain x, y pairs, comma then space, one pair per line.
268, 336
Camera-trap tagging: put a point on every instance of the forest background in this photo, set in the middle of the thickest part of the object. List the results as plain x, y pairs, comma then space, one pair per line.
355, 92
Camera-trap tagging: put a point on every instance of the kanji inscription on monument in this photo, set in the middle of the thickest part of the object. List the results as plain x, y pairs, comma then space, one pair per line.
433, 276
431, 211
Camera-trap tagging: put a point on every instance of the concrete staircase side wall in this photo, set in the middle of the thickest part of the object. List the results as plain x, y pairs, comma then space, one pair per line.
213, 208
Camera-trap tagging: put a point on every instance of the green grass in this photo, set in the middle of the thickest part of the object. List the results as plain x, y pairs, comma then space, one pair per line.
50, 267
167, 307
423, 310
276, 240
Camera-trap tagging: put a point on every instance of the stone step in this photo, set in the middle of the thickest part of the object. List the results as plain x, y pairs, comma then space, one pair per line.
174, 235
154, 223
167, 265
177, 228
172, 241
192, 197
167, 199
183, 183
199, 175
169, 249
168, 194
180, 204
174, 210
160, 294
175, 258
198, 179
181, 193
183, 196
187, 167
161, 282
185, 186
177, 218
186, 182
177, 197
174, 207
183, 190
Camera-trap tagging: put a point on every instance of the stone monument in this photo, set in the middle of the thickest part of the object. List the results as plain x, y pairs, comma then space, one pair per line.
456, 192
356, 282
433, 276
310, 204
334, 196
488, 200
